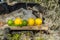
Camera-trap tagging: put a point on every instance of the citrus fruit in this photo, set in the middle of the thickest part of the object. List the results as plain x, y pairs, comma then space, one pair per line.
20, 25
18, 21
24, 22
38, 21
30, 21
10, 22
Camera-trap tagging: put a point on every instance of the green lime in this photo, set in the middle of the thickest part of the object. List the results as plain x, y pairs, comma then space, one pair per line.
24, 22
10, 22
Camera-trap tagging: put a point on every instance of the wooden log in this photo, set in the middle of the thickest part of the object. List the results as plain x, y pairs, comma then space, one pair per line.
11, 2
29, 28
42, 27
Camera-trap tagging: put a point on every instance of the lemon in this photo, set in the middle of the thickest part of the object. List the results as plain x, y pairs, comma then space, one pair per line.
38, 21
18, 21
10, 22
24, 22
30, 21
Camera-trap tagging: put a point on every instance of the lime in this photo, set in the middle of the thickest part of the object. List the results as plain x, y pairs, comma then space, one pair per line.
24, 22
10, 22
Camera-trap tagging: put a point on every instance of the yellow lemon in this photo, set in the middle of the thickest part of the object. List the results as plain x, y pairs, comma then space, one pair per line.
18, 21
31, 21
38, 21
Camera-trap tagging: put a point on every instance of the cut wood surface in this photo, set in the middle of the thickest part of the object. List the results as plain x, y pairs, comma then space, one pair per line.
29, 28
25, 27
